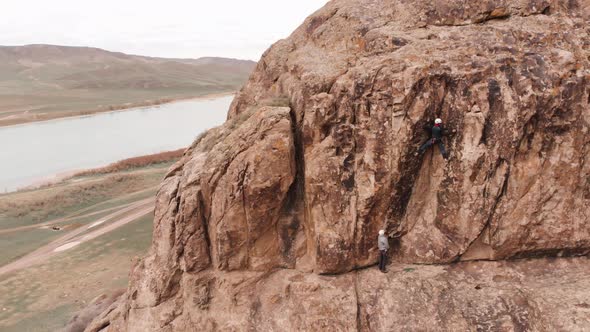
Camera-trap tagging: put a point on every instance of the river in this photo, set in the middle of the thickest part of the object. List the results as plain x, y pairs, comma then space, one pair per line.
41, 150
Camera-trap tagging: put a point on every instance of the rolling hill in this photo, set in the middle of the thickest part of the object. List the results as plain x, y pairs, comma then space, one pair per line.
39, 82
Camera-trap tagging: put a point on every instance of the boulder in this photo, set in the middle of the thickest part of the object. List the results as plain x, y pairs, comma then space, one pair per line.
268, 222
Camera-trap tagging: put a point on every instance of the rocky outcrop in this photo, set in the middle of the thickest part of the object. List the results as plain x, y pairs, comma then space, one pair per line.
538, 295
364, 78
265, 220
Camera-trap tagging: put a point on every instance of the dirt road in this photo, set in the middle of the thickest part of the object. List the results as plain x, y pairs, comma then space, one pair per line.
57, 221
77, 215
117, 219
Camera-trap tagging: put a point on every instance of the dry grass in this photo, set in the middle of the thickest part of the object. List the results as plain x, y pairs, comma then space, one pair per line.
45, 297
141, 104
84, 189
85, 81
28, 207
280, 101
136, 162
239, 119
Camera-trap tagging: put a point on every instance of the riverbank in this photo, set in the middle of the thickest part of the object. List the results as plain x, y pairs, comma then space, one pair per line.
63, 245
29, 117
41, 150
125, 165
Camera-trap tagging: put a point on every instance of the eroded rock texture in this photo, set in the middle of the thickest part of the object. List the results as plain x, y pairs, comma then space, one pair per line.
260, 214
537, 295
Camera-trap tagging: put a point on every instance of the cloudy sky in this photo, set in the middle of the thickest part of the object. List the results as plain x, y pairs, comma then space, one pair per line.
172, 28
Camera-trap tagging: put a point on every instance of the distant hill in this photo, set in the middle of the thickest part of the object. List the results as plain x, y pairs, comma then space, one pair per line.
47, 81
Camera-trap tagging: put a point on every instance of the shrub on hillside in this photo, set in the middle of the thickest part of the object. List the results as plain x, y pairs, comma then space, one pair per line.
135, 162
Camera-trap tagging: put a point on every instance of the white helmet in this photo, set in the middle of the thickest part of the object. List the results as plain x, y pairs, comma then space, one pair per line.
381, 232
438, 121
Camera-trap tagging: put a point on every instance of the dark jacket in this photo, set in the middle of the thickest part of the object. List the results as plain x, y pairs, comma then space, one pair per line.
436, 132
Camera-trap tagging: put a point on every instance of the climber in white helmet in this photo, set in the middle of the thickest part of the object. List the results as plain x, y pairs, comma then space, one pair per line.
436, 133
383, 245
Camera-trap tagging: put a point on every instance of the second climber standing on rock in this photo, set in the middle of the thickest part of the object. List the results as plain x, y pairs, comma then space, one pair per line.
383, 245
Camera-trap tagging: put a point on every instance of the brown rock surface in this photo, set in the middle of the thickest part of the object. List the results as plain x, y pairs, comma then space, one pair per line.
364, 76
533, 295
258, 209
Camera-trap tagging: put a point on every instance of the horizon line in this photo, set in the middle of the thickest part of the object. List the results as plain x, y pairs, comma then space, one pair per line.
131, 54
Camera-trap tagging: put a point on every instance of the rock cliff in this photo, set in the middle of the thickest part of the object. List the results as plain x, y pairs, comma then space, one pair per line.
268, 221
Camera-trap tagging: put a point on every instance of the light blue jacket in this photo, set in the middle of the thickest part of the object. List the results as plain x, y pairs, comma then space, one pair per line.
382, 242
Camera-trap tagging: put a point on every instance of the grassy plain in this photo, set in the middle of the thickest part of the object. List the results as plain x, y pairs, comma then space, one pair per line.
41, 82
46, 295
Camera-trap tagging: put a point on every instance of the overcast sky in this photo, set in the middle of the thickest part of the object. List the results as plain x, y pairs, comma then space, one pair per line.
172, 28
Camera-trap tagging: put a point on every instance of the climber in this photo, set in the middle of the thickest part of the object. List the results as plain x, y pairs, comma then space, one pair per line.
436, 132
383, 245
